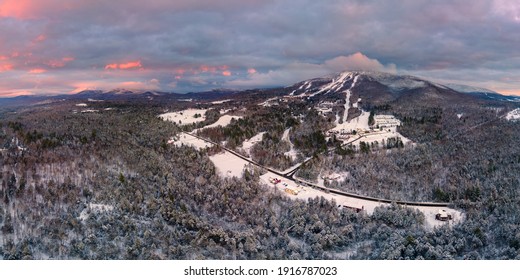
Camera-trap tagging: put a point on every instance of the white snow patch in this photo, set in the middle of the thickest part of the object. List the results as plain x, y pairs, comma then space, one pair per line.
81, 105
249, 143
223, 121
185, 116
347, 98
94, 208
358, 123
269, 102
188, 140
460, 115
229, 165
513, 115
220, 101
335, 84
89, 111
292, 153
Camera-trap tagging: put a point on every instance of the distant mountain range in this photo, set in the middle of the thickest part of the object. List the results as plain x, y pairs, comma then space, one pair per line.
372, 87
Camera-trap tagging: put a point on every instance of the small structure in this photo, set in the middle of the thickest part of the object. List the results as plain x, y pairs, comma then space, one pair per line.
291, 191
443, 215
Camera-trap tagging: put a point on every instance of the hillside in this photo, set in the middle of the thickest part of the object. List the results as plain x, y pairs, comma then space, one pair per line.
152, 175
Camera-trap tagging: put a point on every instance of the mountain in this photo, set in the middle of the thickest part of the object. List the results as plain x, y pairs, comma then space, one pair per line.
377, 88
373, 88
483, 93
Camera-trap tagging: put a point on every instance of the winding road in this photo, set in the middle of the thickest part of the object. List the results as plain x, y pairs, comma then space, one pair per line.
289, 175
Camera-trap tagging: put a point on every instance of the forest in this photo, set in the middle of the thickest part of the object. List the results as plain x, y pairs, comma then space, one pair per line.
106, 185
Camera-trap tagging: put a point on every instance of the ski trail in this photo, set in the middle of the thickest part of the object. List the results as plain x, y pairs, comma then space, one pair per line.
347, 99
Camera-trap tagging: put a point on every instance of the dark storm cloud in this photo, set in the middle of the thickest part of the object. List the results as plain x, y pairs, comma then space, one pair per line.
66, 46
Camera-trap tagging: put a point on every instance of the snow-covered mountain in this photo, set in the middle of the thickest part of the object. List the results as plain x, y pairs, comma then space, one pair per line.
469, 89
483, 93
378, 87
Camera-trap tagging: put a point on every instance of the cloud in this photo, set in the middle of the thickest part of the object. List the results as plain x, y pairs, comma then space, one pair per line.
358, 61
137, 85
200, 44
37, 71
298, 71
125, 66
6, 67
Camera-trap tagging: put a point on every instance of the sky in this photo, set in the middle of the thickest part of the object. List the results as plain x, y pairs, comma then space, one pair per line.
60, 46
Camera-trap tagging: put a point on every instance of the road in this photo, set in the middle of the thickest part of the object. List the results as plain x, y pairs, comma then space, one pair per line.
288, 175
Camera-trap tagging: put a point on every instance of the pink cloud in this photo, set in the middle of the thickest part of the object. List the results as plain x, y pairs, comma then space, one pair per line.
131, 65
226, 73
111, 66
37, 71
34, 9
251, 71
125, 66
358, 61
59, 63
6, 67
40, 38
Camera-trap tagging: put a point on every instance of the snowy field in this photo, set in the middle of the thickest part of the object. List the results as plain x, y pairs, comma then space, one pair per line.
223, 121
249, 143
185, 117
357, 123
229, 165
220, 101
379, 136
292, 153
513, 115
188, 140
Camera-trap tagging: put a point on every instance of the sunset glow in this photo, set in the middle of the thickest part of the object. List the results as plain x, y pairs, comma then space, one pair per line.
232, 46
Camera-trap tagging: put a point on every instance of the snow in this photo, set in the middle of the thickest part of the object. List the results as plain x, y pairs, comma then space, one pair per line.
95, 208
269, 102
81, 105
468, 89
343, 201
89, 111
460, 115
188, 140
185, 116
395, 81
223, 121
229, 165
347, 98
379, 136
356, 104
220, 101
336, 84
292, 153
249, 143
358, 123
513, 115
306, 85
